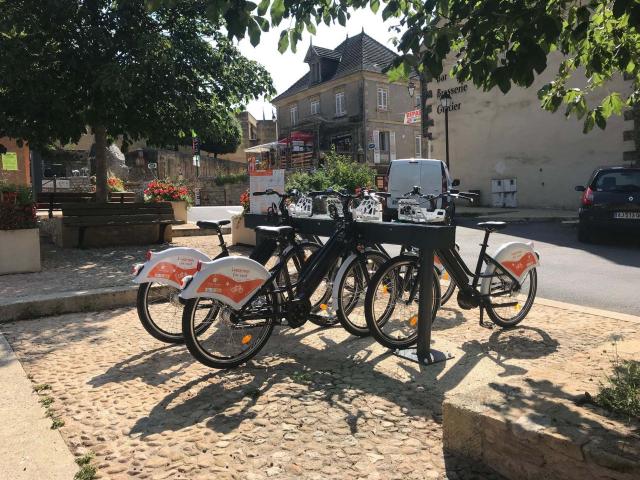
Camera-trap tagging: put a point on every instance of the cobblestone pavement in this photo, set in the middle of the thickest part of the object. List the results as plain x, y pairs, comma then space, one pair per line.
67, 269
313, 404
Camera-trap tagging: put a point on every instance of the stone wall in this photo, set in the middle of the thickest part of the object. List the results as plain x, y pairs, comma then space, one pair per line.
229, 194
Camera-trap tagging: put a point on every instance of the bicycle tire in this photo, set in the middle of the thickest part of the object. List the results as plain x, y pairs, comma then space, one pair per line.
174, 314
195, 342
344, 312
376, 325
448, 292
523, 310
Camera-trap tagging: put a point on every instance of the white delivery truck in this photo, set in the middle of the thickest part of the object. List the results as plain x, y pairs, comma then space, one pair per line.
432, 176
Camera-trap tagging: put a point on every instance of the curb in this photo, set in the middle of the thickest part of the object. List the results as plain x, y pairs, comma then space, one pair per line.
625, 317
68, 302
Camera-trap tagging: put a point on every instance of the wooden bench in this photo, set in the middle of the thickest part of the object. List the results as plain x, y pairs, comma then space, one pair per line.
53, 200
121, 220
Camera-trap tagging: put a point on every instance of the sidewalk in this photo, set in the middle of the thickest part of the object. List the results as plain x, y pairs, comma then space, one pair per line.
29, 448
517, 214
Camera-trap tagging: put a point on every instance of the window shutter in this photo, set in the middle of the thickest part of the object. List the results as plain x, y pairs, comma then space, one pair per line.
376, 150
392, 145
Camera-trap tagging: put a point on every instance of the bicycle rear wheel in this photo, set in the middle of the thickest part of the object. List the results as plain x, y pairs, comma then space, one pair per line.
509, 305
228, 341
392, 302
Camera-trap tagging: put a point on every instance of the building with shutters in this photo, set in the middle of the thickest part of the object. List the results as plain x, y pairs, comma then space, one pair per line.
345, 101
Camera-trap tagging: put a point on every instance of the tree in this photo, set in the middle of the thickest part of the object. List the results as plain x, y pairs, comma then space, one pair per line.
118, 68
221, 137
496, 43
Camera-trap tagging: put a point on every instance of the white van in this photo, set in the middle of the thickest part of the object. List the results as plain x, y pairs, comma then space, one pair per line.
430, 175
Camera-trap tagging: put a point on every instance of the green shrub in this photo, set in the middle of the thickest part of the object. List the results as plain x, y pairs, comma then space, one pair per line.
231, 178
622, 392
339, 172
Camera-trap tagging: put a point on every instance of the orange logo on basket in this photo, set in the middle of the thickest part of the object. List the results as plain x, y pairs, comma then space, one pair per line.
228, 287
170, 271
521, 265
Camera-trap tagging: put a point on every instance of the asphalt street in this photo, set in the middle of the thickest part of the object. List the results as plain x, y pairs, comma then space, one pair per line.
604, 275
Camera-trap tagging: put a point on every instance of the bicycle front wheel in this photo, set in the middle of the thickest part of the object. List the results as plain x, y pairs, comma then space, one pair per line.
228, 340
509, 304
352, 289
392, 302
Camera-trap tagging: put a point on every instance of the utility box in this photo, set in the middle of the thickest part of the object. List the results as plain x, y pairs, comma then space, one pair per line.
504, 192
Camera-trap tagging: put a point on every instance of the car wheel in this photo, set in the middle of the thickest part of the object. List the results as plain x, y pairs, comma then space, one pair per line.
584, 234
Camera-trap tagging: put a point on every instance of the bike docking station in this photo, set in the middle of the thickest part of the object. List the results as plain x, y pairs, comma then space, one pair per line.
427, 238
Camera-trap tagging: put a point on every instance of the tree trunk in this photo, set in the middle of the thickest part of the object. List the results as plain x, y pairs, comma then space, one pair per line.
100, 134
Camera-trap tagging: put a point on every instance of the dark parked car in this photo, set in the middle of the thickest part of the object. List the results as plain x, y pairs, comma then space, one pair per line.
610, 202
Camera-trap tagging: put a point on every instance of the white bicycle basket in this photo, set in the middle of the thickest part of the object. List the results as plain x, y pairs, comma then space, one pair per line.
302, 208
410, 210
335, 202
369, 210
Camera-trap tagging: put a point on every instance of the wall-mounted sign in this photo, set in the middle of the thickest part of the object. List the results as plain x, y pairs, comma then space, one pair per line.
371, 146
412, 117
153, 166
9, 161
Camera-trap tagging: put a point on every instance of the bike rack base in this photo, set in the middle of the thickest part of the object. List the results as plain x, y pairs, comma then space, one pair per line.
434, 356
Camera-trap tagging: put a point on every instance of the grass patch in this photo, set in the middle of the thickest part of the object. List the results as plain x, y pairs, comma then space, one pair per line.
41, 387
56, 423
87, 471
46, 401
301, 377
621, 392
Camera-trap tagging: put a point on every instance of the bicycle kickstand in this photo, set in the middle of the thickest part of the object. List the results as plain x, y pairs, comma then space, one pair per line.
482, 323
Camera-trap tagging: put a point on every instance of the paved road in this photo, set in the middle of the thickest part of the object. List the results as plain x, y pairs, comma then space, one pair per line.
604, 275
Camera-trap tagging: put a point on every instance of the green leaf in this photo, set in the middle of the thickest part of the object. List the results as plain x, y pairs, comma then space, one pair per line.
374, 5
600, 120
263, 7
612, 104
283, 43
399, 73
262, 22
589, 122
342, 19
277, 11
311, 28
254, 33
501, 78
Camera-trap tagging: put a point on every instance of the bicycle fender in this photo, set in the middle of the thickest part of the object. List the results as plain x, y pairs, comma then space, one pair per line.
231, 280
170, 266
516, 257
336, 280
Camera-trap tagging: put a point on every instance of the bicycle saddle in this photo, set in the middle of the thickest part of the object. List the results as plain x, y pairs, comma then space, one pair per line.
214, 224
492, 226
281, 231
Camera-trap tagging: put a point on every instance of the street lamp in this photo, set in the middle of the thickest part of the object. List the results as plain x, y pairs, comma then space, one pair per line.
412, 89
446, 101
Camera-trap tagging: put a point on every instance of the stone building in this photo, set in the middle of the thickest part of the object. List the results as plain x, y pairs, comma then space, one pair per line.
541, 155
346, 101
254, 132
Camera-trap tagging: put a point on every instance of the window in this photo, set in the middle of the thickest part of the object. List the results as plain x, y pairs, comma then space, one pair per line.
341, 107
315, 72
293, 114
418, 98
383, 98
314, 107
384, 141
418, 146
620, 181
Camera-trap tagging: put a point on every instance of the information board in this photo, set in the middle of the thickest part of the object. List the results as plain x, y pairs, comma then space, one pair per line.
261, 180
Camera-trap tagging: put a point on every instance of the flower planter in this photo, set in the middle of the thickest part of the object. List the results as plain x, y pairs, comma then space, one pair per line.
20, 252
180, 210
241, 235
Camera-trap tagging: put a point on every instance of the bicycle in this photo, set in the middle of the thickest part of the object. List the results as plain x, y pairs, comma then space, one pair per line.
509, 281
250, 302
412, 210
161, 276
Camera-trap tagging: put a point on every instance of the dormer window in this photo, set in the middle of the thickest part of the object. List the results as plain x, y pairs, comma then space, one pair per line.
315, 72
